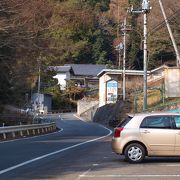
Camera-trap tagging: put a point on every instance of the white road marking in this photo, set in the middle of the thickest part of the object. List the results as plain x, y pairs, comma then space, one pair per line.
83, 174
170, 165
53, 153
95, 165
79, 118
86, 172
24, 138
61, 118
161, 164
128, 175
105, 157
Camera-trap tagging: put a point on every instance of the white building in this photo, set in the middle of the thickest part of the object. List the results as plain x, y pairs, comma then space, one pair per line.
169, 77
84, 75
63, 74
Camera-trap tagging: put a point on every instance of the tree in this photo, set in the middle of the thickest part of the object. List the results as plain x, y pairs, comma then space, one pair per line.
57, 32
21, 25
79, 31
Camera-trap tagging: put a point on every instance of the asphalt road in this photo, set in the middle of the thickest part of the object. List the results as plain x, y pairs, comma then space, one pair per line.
80, 151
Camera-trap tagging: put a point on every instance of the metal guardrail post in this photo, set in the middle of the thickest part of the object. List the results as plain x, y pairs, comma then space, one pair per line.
21, 133
27, 132
13, 134
33, 132
4, 135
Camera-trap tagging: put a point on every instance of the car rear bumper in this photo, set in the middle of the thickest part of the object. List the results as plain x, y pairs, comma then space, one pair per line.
116, 146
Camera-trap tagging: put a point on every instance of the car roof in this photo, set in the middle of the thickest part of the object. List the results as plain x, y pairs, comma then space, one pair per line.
144, 114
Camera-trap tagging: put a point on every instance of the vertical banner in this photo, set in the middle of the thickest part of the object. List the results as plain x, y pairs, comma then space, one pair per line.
112, 91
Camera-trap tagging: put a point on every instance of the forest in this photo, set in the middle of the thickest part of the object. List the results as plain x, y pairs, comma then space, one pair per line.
40, 33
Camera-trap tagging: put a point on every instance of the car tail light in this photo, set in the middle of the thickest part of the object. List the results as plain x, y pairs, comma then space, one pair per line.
117, 132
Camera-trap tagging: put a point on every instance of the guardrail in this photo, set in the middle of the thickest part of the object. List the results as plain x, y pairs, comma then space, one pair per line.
25, 130
62, 111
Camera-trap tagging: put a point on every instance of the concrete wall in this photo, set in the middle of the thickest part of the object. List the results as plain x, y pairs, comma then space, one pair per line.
89, 114
85, 105
156, 74
172, 82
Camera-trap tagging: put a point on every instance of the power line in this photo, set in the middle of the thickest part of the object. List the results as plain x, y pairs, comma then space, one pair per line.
163, 23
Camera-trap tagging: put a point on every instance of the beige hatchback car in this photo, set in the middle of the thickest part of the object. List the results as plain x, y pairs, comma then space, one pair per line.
147, 134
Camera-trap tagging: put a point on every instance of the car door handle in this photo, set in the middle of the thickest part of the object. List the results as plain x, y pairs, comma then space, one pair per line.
145, 131
178, 133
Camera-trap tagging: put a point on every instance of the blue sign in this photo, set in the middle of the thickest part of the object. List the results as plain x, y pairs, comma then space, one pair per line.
112, 91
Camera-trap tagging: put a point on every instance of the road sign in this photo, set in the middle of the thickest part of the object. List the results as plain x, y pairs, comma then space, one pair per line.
112, 91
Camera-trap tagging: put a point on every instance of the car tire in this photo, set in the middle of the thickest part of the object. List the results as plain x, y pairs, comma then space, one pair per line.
134, 153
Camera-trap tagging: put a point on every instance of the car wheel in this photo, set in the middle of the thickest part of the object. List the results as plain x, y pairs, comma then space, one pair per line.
134, 153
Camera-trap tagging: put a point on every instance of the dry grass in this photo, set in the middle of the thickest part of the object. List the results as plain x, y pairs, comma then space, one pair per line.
154, 97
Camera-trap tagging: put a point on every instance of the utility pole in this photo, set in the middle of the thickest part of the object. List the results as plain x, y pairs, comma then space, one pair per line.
119, 48
39, 84
39, 76
171, 34
119, 58
145, 9
118, 14
124, 29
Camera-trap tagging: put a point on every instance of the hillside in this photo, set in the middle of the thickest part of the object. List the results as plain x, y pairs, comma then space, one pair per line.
42, 33
155, 17
160, 46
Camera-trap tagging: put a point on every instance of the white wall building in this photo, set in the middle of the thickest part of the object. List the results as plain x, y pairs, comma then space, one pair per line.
163, 75
84, 75
63, 74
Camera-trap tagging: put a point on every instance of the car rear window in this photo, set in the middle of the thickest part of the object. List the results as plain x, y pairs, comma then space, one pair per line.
125, 121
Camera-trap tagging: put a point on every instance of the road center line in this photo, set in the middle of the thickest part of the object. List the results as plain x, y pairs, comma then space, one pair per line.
53, 153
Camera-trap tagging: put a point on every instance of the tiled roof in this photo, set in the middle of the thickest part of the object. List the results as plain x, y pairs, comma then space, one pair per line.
60, 68
120, 71
86, 69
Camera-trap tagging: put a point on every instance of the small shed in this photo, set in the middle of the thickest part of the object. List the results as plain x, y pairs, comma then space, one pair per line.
133, 78
41, 102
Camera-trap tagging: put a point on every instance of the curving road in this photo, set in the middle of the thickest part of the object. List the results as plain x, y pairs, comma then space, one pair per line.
81, 151
51, 156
